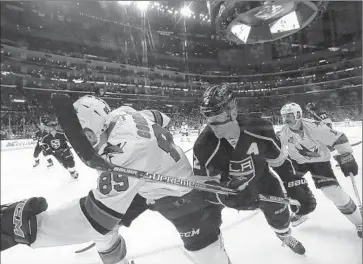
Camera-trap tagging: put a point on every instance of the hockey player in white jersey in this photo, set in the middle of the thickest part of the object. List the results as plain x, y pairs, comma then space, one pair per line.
307, 143
184, 131
136, 141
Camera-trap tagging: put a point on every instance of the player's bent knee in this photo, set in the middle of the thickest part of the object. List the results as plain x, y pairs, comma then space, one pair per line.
112, 251
211, 254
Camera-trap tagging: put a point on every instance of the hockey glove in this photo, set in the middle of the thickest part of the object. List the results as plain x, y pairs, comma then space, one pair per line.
246, 199
46, 149
298, 189
347, 164
19, 222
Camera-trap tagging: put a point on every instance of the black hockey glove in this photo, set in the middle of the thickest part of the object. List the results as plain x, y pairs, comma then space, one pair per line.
298, 189
347, 164
46, 149
246, 199
19, 223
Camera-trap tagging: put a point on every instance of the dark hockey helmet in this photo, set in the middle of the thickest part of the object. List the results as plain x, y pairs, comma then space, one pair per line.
216, 99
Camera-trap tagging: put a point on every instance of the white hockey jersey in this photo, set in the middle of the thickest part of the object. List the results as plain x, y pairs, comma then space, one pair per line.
184, 128
311, 146
137, 142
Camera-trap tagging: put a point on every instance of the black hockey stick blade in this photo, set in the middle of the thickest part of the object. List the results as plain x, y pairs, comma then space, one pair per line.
356, 143
85, 249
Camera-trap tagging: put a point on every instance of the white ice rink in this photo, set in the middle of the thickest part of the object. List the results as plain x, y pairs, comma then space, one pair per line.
329, 238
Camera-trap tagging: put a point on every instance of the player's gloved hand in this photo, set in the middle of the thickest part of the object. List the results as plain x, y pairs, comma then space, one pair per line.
347, 164
298, 189
19, 223
46, 149
246, 199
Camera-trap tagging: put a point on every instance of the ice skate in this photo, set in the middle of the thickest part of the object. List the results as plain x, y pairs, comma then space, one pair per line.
74, 174
50, 164
36, 163
292, 243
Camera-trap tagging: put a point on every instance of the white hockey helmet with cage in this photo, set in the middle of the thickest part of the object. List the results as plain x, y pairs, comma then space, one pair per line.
92, 113
293, 108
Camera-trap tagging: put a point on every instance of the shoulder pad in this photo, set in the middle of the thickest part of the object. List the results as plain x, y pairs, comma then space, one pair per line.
205, 145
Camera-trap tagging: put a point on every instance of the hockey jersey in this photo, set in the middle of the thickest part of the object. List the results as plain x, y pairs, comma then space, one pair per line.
137, 142
323, 117
256, 149
39, 135
312, 145
57, 142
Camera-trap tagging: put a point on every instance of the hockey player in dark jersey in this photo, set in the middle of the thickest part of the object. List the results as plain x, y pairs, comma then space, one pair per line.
240, 152
319, 114
56, 144
38, 136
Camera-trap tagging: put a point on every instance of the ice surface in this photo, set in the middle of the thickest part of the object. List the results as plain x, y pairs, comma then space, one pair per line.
328, 236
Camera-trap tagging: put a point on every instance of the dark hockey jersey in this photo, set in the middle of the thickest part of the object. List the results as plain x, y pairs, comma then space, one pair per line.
39, 135
257, 149
56, 142
323, 117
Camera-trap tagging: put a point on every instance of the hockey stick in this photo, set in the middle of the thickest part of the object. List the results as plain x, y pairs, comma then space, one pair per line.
188, 150
85, 249
356, 143
357, 196
68, 120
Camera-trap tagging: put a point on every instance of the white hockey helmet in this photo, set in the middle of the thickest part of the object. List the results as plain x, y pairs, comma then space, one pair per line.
92, 113
293, 108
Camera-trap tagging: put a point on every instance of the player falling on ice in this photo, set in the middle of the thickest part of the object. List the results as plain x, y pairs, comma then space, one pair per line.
184, 130
38, 136
240, 151
307, 143
137, 141
55, 144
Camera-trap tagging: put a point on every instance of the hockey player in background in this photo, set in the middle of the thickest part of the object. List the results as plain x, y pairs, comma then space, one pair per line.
134, 140
38, 136
184, 130
307, 143
55, 143
239, 151
319, 114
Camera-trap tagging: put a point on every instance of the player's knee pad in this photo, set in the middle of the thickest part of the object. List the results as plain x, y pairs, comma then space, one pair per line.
113, 249
214, 253
340, 198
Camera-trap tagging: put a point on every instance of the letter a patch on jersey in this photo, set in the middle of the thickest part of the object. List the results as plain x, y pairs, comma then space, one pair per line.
253, 149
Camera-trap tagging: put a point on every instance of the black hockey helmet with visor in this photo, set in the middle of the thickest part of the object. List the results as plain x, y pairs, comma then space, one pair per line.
216, 100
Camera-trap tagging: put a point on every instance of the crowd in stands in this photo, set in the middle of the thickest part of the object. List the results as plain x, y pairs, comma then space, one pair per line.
19, 120
161, 74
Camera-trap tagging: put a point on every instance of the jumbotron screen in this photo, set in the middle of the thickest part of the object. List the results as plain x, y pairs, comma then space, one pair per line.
285, 23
